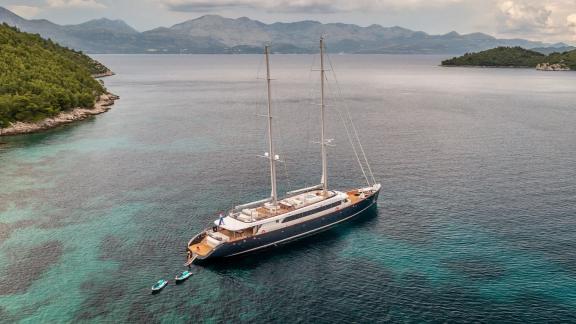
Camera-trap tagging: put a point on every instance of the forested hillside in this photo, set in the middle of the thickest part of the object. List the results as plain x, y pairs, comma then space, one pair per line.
567, 58
501, 56
39, 78
513, 57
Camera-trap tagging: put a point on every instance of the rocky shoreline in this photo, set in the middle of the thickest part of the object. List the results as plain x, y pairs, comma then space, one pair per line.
103, 75
552, 67
539, 67
103, 104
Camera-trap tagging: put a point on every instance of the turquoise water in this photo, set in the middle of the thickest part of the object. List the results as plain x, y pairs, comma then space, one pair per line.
475, 221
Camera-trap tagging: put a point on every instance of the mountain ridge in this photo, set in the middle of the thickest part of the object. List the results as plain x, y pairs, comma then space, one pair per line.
216, 34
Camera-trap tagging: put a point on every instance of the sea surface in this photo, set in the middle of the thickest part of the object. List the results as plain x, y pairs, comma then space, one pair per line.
476, 221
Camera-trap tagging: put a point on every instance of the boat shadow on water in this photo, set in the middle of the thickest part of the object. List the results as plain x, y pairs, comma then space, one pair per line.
297, 248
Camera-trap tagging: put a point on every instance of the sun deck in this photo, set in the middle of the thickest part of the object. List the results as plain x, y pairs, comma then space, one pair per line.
354, 196
267, 210
201, 248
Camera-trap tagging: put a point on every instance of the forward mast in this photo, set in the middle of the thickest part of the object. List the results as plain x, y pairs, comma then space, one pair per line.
323, 143
271, 155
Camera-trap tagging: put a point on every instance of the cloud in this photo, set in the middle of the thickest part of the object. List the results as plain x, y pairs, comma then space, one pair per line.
302, 6
520, 16
25, 11
93, 4
544, 19
571, 21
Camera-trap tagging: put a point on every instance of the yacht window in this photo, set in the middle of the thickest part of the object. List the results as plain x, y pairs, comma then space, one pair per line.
310, 212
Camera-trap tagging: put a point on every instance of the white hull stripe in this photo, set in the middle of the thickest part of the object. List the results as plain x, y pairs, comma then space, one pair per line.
303, 234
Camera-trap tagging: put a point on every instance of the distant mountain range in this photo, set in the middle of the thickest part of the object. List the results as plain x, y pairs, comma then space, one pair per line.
215, 34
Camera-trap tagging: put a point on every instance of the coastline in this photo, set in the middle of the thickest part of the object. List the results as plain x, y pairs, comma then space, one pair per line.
488, 66
545, 68
103, 75
102, 105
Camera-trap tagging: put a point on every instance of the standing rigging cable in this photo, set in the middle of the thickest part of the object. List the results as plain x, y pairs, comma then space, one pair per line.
349, 136
357, 137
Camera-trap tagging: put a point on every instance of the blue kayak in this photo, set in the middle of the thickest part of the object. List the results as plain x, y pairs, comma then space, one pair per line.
183, 276
159, 285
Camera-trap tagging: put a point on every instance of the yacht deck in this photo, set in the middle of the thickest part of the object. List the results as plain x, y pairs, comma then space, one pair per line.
202, 248
285, 205
354, 196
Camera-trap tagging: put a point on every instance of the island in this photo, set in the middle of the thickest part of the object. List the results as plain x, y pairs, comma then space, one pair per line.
516, 57
44, 85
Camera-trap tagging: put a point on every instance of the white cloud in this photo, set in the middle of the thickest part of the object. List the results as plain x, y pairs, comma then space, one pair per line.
520, 16
552, 20
25, 11
75, 4
571, 20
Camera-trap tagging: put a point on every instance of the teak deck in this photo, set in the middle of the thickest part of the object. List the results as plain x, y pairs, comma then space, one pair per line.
201, 248
354, 196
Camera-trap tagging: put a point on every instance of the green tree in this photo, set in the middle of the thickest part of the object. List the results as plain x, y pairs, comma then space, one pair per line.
512, 57
39, 78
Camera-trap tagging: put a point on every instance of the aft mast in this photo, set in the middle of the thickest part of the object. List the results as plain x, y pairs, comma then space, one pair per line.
271, 155
324, 181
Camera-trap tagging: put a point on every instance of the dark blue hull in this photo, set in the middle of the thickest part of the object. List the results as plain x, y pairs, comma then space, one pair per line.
294, 232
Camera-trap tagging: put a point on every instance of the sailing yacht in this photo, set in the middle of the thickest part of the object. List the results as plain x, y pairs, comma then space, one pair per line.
274, 221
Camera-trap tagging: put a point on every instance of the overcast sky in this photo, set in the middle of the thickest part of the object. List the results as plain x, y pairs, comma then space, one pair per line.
546, 20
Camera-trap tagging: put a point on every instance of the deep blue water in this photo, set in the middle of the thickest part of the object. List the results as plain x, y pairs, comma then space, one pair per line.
476, 220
